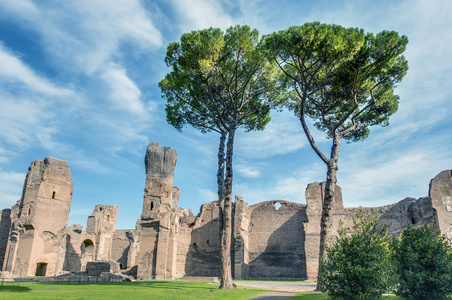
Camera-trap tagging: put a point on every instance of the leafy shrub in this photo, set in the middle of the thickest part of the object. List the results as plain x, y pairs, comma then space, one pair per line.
359, 265
423, 261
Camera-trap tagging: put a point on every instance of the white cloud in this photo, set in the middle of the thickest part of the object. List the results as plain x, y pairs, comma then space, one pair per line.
124, 93
85, 35
201, 14
13, 69
11, 184
22, 118
206, 195
247, 171
376, 179
282, 135
24, 8
290, 187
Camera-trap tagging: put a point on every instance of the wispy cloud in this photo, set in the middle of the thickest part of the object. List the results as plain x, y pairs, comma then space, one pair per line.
207, 195
247, 171
14, 70
124, 94
85, 35
202, 14
290, 187
10, 187
282, 135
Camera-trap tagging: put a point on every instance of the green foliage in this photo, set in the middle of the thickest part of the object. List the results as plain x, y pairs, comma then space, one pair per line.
359, 265
219, 81
423, 260
340, 77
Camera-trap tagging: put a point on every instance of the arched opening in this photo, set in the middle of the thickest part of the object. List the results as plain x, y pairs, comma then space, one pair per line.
41, 269
87, 247
53, 195
108, 218
277, 205
29, 211
152, 206
87, 253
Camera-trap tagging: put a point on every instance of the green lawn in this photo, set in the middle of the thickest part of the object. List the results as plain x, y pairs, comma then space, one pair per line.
126, 290
136, 290
321, 296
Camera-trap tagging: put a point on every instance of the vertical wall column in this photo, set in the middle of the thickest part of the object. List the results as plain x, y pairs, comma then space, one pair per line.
158, 244
241, 231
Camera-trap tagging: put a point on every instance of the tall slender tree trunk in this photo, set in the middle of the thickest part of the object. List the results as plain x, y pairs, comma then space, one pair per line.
226, 269
330, 194
220, 181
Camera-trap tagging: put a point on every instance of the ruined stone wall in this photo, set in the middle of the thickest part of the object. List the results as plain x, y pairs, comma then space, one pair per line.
277, 240
120, 248
441, 195
203, 257
241, 228
36, 243
102, 224
5, 226
184, 230
80, 249
158, 224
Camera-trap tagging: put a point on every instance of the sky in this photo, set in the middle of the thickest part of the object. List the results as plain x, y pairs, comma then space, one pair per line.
79, 82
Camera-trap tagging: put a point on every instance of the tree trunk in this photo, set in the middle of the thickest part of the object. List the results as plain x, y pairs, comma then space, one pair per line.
330, 193
220, 181
226, 270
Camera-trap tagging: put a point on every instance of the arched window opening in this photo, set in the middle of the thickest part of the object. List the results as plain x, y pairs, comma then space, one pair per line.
108, 218
29, 211
152, 206
53, 195
87, 247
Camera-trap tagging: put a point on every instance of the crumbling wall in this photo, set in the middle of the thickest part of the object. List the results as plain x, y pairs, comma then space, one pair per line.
36, 242
277, 240
314, 201
184, 230
120, 248
241, 228
440, 193
158, 245
5, 226
102, 224
203, 257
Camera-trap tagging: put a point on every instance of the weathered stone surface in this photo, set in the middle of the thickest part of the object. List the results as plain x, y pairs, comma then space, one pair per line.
98, 267
5, 225
276, 240
203, 255
272, 239
159, 219
40, 220
441, 195
102, 224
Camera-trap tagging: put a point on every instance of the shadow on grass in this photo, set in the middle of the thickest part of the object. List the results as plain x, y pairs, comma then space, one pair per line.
14, 288
164, 285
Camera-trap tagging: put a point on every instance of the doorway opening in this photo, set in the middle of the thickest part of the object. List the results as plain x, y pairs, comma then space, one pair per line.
41, 269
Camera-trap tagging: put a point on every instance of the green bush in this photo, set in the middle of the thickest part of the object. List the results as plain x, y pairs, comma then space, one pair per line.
359, 265
423, 261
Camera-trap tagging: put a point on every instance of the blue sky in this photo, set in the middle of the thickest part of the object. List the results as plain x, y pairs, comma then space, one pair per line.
79, 82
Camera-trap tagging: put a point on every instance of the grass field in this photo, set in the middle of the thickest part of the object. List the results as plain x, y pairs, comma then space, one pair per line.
321, 296
136, 290
125, 290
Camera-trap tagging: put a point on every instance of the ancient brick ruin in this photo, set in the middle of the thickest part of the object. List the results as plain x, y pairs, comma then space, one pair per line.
271, 239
